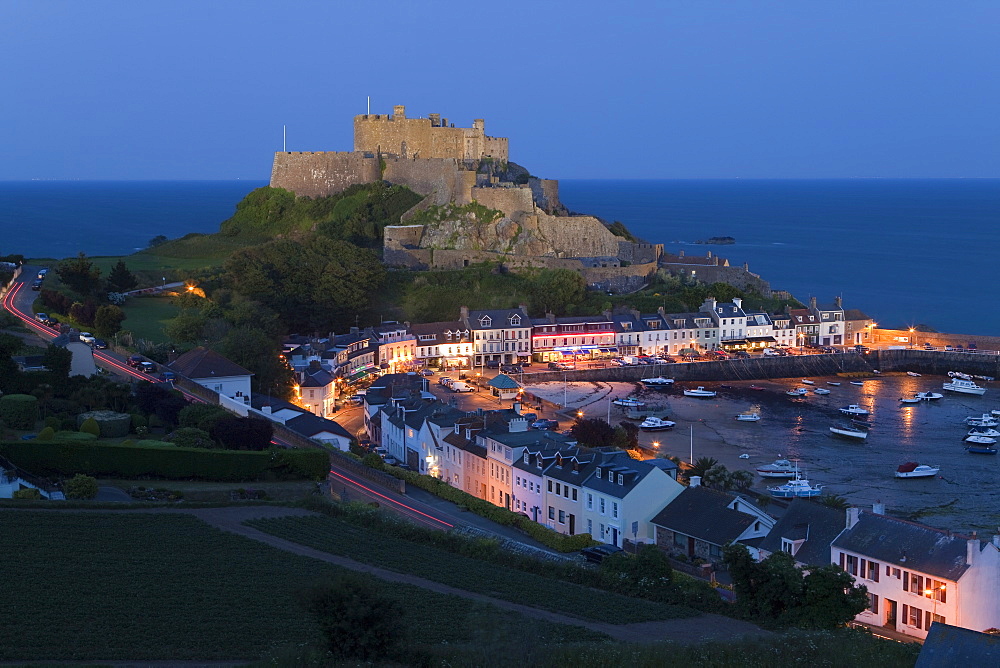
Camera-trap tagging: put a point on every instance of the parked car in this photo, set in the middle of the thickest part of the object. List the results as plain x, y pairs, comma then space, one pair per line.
510, 368
87, 337
544, 424
427, 372
41, 317
41, 273
599, 553
459, 386
147, 367
492, 364
52, 322
742, 354
100, 344
36, 284
445, 380
769, 352
134, 361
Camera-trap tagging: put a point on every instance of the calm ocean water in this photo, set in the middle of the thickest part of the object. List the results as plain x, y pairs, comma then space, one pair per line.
904, 251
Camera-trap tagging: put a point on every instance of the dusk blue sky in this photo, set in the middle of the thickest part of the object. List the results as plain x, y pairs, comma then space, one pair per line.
697, 89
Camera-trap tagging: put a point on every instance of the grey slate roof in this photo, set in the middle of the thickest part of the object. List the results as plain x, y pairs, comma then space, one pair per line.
632, 471
499, 319
309, 425
906, 544
855, 314
808, 520
316, 378
949, 646
202, 362
703, 513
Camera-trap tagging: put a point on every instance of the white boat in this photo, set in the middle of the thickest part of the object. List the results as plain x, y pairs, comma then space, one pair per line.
856, 382
699, 392
797, 392
915, 470
982, 440
913, 373
835, 384
795, 488
910, 400
959, 374
984, 431
748, 417
656, 424
781, 468
821, 390
806, 381
849, 432
656, 383
629, 402
854, 409
986, 420
963, 386
995, 413
929, 396
745, 456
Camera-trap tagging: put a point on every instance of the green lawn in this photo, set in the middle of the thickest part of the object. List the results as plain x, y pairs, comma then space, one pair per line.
145, 587
147, 316
375, 547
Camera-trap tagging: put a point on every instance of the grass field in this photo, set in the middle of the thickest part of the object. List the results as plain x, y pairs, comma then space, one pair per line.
147, 316
338, 537
103, 586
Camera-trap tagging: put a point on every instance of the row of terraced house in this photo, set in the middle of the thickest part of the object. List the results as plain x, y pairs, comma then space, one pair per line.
490, 338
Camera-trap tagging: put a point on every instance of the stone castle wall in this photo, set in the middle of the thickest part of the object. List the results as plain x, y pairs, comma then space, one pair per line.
546, 193
425, 137
509, 200
322, 173
739, 277
445, 178
577, 236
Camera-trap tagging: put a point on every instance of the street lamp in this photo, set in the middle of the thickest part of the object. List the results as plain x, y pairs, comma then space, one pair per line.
935, 595
912, 331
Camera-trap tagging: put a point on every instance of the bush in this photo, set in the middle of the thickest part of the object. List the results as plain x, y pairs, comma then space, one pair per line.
190, 437
109, 423
139, 422
46, 434
19, 411
90, 426
357, 621
81, 487
29, 493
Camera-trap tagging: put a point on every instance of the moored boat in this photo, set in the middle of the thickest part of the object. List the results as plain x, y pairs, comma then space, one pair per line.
854, 409
849, 431
629, 402
758, 388
780, 468
748, 417
656, 424
795, 488
856, 382
977, 449
700, 391
929, 396
910, 400
797, 392
915, 470
984, 431
821, 390
835, 384
963, 386
806, 381
985, 420
658, 383
980, 440
913, 373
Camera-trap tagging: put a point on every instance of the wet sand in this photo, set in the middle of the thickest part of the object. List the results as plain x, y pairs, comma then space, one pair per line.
961, 498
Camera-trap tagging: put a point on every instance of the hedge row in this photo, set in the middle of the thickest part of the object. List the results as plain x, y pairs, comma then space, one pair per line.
544, 535
164, 461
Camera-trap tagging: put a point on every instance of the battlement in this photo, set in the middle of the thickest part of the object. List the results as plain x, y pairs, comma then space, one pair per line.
431, 137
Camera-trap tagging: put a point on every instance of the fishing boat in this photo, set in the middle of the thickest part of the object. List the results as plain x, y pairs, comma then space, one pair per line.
806, 381
913, 373
656, 383
980, 440
929, 396
794, 488
849, 431
700, 391
915, 470
656, 424
854, 409
857, 382
821, 390
835, 384
910, 400
748, 417
629, 402
977, 449
963, 386
797, 392
986, 420
781, 468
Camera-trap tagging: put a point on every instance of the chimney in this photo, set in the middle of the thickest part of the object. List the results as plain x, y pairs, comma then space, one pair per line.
996, 537
695, 481
853, 514
551, 317
680, 254
355, 330
435, 120
878, 507
661, 310
709, 255
266, 410
464, 314
738, 301
314, 365
516, 407
812, 303
523, 307
971, 548
838, 302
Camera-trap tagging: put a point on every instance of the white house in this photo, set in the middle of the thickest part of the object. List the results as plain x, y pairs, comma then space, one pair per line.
500, 336
210, 369
730, 319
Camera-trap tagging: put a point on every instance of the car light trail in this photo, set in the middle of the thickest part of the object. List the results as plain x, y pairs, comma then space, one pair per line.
390, 500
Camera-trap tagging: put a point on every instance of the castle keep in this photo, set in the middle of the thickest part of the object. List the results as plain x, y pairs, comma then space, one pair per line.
477, 207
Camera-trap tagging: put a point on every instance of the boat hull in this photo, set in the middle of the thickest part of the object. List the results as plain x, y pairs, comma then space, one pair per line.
780, 494
657, 428
918, 474
846, 433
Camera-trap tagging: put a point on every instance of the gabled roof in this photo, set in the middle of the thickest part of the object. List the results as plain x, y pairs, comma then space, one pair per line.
703, 513
499, 319
316, 378
948, 645
906, 545
612, 464
807, 520
202, 362
309, 425
855, 314
503, 382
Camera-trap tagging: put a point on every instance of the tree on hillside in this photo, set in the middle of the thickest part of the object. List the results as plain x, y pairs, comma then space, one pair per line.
555, 290
701, 466
120, 279
79, 274
108, 319
257, 352
593, 432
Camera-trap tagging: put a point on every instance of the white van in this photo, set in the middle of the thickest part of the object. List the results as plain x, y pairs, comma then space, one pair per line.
769, 352
459, 386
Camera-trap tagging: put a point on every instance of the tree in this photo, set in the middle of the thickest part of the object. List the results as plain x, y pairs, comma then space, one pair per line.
108, 319
90, 426
701, 467
237, 433
631, 432
79, 274
19, 411
80, 486
157, 240
120, 279
202, 416
357, 621
187, 327
257, 352
831, 599
190, 437
58, 360
593, 432
157, 400
556, 290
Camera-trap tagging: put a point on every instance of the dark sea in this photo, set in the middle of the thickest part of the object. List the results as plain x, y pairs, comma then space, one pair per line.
904, 251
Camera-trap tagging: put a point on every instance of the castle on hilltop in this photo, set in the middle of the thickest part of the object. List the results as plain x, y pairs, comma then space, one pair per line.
477, 207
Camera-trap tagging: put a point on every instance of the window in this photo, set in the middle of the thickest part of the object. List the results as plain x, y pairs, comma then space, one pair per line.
787, 546
680, 540
873, 603
550, 485
558, 488
574, 494
621, 479
562, 517
614, 509
590, 527
590, 501
552, 513
914, 617
602, 505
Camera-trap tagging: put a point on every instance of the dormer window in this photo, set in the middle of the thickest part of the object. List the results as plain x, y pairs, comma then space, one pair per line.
598, 472
621, 479
515, 320
485, 321
527, 458
559, 461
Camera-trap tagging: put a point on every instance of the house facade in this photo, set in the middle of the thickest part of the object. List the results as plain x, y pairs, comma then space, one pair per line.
500, 336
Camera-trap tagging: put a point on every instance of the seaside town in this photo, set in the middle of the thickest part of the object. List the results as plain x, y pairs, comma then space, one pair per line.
570, 438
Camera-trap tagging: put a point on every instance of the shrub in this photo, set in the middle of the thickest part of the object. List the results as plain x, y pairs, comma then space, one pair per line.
357, 621
19, 411
90, 426
46, 434
81, 487
139, 422
190, 437
29, 493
